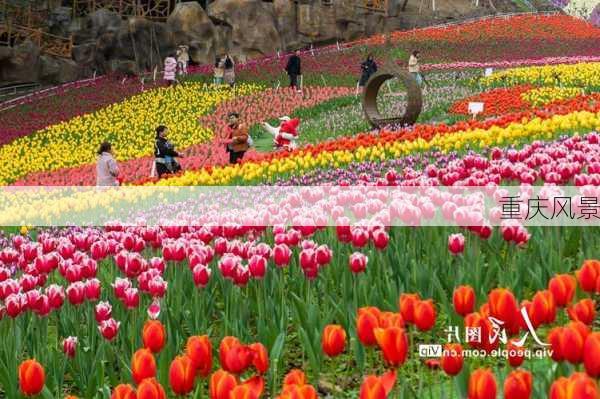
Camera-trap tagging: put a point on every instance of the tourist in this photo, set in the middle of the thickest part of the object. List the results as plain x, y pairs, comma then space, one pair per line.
219, 71
368, 68
107, 171
229, 74
236, 138
183, 58
170, 69
293, 69
164, 153
413, 67
285, 135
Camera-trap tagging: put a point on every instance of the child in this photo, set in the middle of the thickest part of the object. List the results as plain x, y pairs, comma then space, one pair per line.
284, 136
170, 70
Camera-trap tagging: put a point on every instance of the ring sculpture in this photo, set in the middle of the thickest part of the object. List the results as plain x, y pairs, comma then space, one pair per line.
414, 97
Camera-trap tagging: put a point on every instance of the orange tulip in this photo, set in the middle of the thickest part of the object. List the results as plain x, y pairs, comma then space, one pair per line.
503, 306
463, 300
516, 354
588, 275
482, 385
390, 319
452, 359
250, 389
406, 304
484, 326
150, 388
260, 357
333, 340
31, 377
577, 386
573, 338
374, 387
484, 310
123, 391
294, 377
562, 287
591, 354
543, 308
518, 385
424, 315
298, 392
583, 311
182, 374
199, 350
71, 397
234, 356
143, 365
366, 321
221, 384
394, 344
154, 336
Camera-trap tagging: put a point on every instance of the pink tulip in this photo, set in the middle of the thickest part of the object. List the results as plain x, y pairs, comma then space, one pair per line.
456, 243
358, 262
76, 293
70, 346
109, 329
257, 266
131, 298
282, 255
201, 275
102, 311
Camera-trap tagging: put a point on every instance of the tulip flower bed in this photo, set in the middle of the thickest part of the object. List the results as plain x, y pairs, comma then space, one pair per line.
576, 75
128, 125
191, 311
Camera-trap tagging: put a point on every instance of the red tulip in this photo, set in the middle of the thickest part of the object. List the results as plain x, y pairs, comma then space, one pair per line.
150, 388
234, 356
394, 344
390, 319
76, 293
358, 262
543, 308
503, 306
591, 354
109, 328
359, 237
333, 340
367, 320
154, 335
92, 289
281, 255
123, 391
298, 392
516, 354
69, 346
407, 304
374, 387
31, 377
221, 384
456, 243
380, 238
463, 299
102, 311
452, 359
424, 315
182, 374
199, 350
562, 287
482, 385
143, 365
201, 275
250, 389
577, 386
518, 385
257, 265
324, 255
260, 357
588, 275
583, 311
294, 377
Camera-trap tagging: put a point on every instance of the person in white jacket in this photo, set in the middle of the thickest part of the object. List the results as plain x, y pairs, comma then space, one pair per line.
183, 58
285, 136
107, 170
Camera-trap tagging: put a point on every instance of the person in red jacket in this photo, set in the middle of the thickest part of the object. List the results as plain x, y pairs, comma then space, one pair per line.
284, 136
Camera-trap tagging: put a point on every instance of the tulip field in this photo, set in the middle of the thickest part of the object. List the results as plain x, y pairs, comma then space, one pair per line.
479, 308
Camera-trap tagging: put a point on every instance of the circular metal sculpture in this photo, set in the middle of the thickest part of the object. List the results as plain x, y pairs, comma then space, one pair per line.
413, 96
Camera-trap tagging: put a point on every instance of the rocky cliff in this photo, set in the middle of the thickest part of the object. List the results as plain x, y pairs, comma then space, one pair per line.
104, 42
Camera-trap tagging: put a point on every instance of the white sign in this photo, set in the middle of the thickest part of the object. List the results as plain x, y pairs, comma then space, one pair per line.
475, 108
488, 72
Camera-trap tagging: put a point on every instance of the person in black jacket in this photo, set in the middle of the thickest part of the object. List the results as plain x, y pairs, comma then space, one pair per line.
368, 68
164, 153
293, 69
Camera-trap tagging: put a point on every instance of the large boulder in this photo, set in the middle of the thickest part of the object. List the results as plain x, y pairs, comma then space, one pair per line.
287, 21
190, 25
22, 65
57, 70
96, 24
252, 24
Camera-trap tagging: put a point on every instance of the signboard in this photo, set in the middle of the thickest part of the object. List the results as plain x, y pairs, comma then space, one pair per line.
475, 108
488, 72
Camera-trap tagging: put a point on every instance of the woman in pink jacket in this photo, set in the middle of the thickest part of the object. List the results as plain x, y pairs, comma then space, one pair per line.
170, 69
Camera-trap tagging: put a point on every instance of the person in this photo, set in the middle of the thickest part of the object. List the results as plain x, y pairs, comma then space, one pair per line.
284, 136
413, 67
294, 69
236, 138
164, 153
368, 68
229, 74
183, 58
170, 69
107, 171
219, 71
